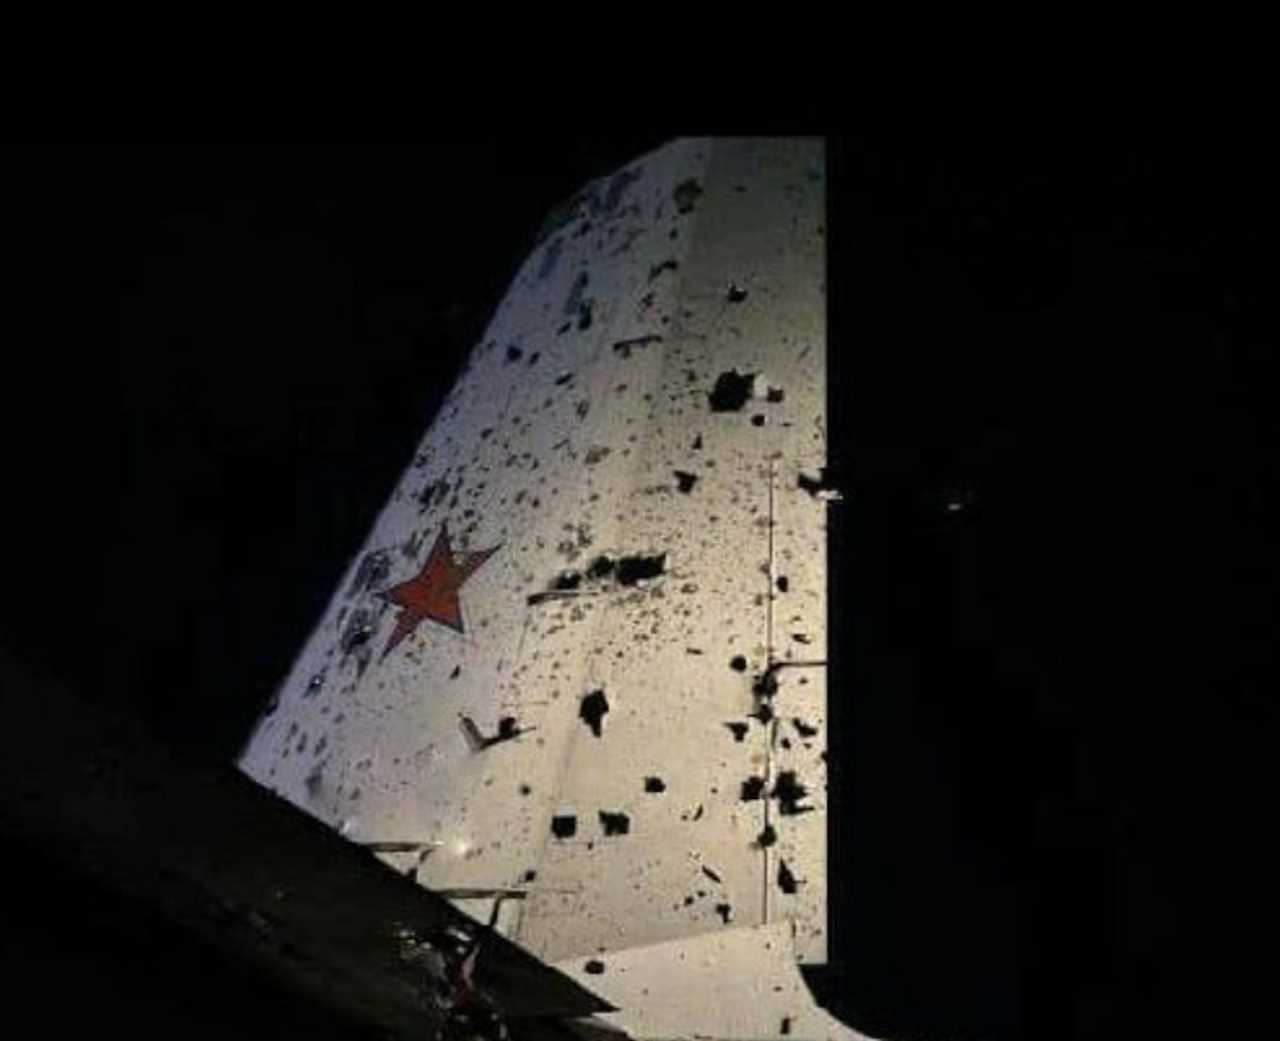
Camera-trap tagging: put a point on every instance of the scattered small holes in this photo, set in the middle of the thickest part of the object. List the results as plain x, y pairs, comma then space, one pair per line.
601, 567
731, 391
592, 711
789, 792
631, 570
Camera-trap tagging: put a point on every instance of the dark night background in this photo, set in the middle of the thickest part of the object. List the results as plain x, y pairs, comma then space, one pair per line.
1054, 710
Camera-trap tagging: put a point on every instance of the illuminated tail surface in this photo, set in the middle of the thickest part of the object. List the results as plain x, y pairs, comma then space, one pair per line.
581, 658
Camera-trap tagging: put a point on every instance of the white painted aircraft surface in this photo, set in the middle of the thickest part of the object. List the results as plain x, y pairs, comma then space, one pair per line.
575, 680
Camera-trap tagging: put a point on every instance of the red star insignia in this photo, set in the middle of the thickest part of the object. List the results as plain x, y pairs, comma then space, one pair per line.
433, 592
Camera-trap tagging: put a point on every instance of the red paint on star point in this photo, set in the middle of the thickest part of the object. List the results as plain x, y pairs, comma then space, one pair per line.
432, 594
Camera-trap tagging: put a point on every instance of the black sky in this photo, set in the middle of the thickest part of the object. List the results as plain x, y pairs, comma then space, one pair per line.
1053, 709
